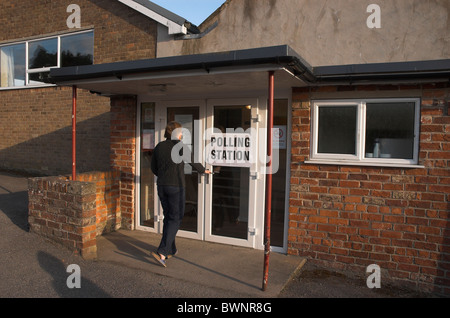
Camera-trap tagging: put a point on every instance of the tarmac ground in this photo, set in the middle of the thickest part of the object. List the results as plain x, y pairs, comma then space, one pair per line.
33, 267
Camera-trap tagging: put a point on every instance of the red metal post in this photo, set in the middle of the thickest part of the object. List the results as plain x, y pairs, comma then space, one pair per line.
74, 133
268, 212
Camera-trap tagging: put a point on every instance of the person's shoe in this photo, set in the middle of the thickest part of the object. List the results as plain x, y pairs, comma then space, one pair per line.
159, 259
174, 254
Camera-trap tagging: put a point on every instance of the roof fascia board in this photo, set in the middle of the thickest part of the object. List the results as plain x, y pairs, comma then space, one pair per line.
174, 27
378, 71
282, 56
277, 55
173, 74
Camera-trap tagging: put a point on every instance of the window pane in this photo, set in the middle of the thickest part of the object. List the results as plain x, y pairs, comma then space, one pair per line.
38, 78
337, 130
12, 65
390, 130
43, 53
147, 177
231, 185
77, 49
187, 116
230, 202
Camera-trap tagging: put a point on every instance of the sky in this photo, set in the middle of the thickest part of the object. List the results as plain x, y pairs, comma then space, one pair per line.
195, 11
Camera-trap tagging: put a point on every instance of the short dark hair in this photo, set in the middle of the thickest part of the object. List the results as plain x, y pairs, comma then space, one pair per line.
170, 128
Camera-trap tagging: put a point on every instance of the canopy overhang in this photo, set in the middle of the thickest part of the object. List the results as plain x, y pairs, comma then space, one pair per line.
242, 70
206, 74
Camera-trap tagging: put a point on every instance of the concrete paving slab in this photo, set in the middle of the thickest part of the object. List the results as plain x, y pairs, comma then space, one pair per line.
225, 267
35, 267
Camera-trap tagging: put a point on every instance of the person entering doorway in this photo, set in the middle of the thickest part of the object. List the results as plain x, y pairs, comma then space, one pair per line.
171, 187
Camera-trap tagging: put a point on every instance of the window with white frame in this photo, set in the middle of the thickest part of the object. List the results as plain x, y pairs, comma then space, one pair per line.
28, 63
372, 131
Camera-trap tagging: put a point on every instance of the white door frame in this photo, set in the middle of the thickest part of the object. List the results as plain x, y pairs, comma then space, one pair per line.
254, 223
162, 108
257, 184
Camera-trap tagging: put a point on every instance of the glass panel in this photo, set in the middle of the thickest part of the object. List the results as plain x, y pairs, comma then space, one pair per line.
390, 130
230, 202
147, 213
38, 78
12, 65
43, 53
230, 191
337, 130
77, 49
186, 117
279, 178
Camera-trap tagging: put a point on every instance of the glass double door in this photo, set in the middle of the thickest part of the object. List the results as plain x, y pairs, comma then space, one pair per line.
219, 207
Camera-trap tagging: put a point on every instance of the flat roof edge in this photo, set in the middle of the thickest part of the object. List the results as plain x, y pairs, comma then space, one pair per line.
282, 55
384, 68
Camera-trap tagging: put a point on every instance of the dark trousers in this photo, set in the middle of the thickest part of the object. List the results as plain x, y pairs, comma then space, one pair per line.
173, 202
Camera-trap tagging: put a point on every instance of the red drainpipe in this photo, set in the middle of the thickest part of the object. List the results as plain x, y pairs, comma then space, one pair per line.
74, 133
268, 212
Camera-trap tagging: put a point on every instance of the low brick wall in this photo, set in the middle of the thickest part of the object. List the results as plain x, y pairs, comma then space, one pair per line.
107, 200
74, 213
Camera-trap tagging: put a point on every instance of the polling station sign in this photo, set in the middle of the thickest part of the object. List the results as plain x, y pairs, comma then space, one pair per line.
230, 149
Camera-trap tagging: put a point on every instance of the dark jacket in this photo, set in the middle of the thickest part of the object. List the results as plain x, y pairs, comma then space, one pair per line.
168, 172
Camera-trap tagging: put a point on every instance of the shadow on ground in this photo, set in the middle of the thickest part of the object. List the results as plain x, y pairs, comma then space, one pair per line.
316, 282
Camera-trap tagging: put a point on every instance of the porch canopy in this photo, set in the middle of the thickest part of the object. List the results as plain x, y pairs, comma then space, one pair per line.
208, 74
203, 75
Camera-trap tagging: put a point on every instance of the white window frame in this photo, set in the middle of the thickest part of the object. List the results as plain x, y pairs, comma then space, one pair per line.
359, 158
44, 69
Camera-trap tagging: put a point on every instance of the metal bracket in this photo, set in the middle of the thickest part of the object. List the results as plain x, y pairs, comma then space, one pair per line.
252, 231
254, 175
256, 118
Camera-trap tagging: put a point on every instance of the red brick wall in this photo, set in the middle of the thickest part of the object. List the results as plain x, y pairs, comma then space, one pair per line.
120, 33
348, 217
35, 124
64, 211
107, 200
123, 150
74, 213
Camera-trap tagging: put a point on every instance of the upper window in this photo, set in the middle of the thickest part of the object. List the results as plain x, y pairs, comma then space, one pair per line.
29, 63
12, 65
379, 132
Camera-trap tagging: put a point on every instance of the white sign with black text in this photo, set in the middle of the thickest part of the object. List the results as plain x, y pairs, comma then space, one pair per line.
230, 149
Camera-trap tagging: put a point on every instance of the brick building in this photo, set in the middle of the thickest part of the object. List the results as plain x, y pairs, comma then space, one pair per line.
35, 120
360, 121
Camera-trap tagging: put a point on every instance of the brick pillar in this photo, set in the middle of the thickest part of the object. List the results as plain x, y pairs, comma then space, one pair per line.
64, 211
108, 217
123, 153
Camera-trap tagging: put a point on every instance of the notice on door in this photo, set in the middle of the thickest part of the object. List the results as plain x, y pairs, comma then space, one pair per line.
230, 149
279, 137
